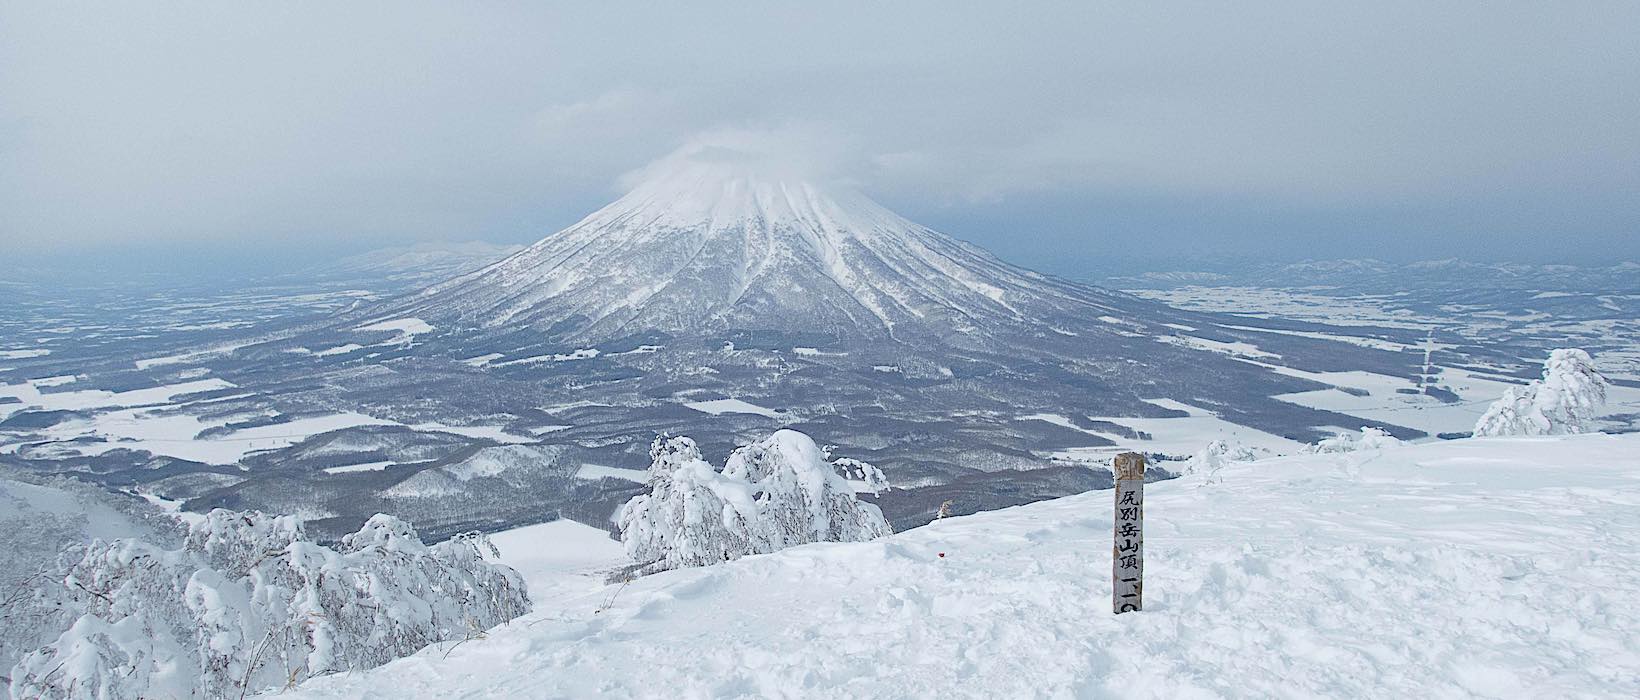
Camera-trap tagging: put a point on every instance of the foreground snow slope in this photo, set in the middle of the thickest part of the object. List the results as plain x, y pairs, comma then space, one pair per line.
1490, 568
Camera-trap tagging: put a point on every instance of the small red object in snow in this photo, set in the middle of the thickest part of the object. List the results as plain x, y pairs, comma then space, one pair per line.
942, 555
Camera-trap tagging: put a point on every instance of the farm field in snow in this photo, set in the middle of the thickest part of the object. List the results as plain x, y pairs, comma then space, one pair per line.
1516, 326
187, 394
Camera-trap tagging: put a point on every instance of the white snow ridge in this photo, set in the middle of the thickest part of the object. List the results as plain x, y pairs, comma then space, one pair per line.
1473, 568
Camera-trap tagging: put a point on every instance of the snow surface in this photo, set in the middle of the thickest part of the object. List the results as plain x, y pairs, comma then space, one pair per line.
176, 434
560, 559
339, 350
719, 407
30, 395
1236, 349
1363, 341
594, 472
96, 519
365, 467
155, 419
191, 356
1180, 435
1502, 567
482, 360
55, 381
405, 326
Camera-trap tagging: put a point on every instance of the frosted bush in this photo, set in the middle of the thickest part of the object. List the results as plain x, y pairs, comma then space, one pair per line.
800, 496
1564, 401
40, 516
692, 515
1368, 439
775, 493
1212, 458
250, 603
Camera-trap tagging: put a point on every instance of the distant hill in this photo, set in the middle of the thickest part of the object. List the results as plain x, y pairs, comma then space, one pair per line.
1370, 276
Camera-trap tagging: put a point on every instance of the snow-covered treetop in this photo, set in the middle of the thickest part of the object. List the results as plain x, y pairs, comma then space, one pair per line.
1571, 385
786, 453
774, 493
667, 453
234, 541
386, 533
1566, 400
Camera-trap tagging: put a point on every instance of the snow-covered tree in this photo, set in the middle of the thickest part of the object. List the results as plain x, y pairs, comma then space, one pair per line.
800, 497
692, 515
1565, 401
42, 515
250, 603
775, 493
1368, 439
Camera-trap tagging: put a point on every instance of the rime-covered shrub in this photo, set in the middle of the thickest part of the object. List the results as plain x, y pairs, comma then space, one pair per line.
800, 496
40, 516
1564, 401
1212, 458
692, 515
775, 493
1368, 439
250, 603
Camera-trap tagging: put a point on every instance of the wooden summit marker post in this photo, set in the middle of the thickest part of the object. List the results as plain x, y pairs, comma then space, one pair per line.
1127, 562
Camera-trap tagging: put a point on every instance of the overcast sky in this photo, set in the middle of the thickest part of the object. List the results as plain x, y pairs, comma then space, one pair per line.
1064, 137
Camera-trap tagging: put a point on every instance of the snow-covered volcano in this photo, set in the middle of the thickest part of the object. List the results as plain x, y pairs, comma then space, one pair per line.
709, 246
721, 299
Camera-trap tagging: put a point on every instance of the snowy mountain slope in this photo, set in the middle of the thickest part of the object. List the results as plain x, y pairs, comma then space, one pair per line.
721, 299
1473, 568
709, 245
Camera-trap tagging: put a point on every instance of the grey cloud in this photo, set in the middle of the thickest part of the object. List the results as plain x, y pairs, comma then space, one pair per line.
225, 124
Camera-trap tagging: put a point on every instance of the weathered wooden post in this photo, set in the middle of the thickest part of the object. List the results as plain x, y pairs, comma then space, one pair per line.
1128, 554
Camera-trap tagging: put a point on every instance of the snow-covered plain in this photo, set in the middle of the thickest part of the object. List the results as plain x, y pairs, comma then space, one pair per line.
1180, 435
161, 420
718, 407
1474, 568
599, 471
